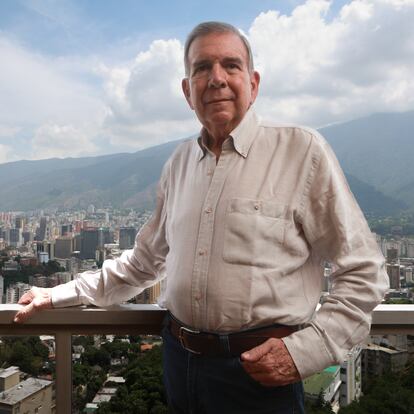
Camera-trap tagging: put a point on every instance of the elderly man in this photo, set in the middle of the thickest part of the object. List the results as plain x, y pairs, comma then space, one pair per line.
246, 216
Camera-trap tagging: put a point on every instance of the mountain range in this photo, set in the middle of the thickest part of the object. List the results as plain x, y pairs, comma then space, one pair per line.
376, 153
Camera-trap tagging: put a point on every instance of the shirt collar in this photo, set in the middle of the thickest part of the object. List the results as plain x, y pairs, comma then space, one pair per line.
243, 135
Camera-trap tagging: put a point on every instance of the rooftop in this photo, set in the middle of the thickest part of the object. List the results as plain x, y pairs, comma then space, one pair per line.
23, 390
375, 347
320, 381
6, 372
119, 380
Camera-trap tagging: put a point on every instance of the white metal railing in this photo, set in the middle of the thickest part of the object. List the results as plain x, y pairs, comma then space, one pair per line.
136, 319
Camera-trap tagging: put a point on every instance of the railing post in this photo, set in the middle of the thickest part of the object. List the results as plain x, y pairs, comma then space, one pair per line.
63, 372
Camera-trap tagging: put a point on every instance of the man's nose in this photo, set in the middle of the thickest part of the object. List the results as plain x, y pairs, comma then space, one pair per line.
218, 77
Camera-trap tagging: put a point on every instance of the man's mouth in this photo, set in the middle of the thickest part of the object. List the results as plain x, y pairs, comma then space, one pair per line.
218, 100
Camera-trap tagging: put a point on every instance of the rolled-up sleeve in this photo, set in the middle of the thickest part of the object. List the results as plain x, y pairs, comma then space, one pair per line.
337, 232
136, 269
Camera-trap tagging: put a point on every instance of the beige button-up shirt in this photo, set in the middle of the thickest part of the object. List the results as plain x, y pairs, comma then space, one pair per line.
243, 241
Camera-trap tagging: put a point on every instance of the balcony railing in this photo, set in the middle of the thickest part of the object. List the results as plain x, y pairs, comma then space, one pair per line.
137, 319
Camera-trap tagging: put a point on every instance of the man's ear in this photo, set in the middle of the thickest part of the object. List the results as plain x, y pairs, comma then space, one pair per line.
254, 83
185, 84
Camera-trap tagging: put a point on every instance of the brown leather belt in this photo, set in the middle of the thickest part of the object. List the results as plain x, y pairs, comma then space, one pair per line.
225, 345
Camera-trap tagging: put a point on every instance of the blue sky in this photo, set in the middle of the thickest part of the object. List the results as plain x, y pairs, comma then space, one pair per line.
90, 26
82, 78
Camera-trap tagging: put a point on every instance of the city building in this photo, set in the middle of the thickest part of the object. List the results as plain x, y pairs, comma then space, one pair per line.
41, 230
15, 237
327, 383
377, 360
27, 237
149, 295
127, 237
351, 377
31, 396
42, 257
393, 271
66, 229
89, 243
19, 222
64, 247
15, 291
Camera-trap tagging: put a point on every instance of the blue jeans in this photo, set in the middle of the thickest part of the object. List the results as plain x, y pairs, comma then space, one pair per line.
216, 385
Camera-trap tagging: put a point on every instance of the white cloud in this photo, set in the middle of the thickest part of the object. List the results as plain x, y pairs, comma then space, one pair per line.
317, 71
52, 140
145, 98
7, 131
35, 89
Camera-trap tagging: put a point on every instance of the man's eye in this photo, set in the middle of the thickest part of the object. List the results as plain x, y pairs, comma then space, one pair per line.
201, 68
232, 66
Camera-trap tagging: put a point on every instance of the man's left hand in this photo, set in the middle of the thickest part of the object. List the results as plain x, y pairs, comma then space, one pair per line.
270, 364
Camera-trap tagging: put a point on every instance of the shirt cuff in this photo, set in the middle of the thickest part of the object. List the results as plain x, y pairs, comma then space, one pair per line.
65, 295
308, 351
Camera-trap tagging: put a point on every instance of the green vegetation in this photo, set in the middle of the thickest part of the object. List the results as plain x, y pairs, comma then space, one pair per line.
400, 225
319, 406
22, 275
143, 391
389, 394
26, 352
87, 380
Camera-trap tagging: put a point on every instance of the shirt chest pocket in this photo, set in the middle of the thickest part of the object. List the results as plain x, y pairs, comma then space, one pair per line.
254, 231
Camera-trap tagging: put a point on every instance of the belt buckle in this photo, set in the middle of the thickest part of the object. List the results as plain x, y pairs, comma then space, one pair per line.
181, 338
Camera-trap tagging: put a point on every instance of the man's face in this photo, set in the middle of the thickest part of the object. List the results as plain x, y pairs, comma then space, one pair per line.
219, 86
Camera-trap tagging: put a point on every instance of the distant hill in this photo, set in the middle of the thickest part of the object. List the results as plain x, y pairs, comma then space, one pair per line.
376, 153
378, 150
372, 201
119, 179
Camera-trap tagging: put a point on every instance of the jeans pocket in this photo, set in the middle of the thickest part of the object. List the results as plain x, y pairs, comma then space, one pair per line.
244, 374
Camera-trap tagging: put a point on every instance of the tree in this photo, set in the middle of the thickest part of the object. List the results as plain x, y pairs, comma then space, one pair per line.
318, 406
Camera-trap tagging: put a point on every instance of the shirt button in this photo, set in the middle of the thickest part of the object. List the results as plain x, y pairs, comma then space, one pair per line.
197, 296
209, 172
201, 252
208, 210
256, 206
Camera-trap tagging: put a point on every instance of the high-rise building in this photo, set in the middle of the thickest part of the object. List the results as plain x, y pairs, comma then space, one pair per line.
19, 222
127, 237
27, 237
89, 243
105, 237
392, 254
351, 383
15, 237
393, 271
64, 247
66, 229
41, 230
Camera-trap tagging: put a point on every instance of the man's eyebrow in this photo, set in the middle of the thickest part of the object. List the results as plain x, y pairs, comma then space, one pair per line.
230, 59
201, 62
233, 60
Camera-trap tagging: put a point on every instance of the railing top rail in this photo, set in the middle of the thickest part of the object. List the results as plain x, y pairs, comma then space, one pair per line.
149, 317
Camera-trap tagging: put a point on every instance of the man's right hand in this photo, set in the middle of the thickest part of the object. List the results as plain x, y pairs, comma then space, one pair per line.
35, 299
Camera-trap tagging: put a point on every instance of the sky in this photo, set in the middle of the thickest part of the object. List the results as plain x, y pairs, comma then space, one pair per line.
90, 77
